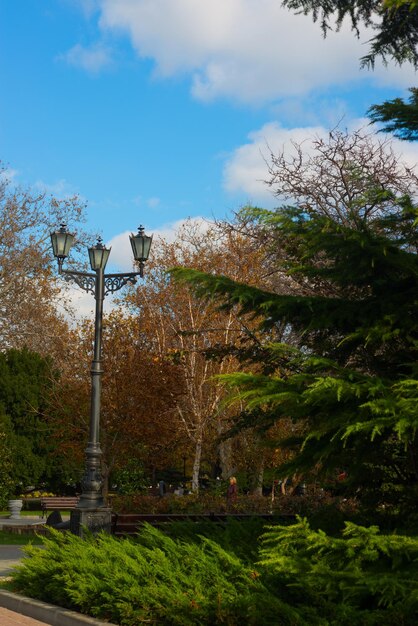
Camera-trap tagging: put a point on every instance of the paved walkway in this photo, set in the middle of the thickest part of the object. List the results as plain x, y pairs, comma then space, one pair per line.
10, 618
9, 557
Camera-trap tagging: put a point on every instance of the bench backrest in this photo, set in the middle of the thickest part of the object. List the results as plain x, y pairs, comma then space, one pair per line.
55, 501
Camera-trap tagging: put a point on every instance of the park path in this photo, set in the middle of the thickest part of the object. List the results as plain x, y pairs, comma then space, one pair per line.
10, 618
9, 557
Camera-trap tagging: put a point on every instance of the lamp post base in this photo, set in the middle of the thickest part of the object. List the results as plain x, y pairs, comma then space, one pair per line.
90, 520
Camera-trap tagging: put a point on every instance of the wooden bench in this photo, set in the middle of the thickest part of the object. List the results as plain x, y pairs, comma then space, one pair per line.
58, 503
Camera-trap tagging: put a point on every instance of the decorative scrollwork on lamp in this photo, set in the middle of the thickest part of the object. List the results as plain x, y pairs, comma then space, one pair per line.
114, 283
86, 282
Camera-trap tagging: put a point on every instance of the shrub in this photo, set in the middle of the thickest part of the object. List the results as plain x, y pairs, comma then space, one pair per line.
211, 503
363, 573
130, 479
301, 577
156, 581
237, 537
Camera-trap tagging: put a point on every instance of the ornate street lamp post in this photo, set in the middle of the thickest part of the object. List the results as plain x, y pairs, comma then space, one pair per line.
91, 511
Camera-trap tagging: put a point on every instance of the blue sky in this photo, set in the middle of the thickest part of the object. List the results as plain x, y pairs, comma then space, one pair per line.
157, 110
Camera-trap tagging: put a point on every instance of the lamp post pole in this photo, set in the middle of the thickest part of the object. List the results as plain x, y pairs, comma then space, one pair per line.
91, 511
92, 496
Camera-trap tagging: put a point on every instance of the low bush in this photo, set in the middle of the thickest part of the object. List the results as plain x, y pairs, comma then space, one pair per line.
12, 538
203, 503
238, 538
362, 574
300, 577
154, 581
207, 503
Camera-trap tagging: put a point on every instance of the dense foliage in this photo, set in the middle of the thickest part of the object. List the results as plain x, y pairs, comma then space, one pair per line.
348, 376
6, 481
29, 292
300, 577
25, 380
179, 329
399, 117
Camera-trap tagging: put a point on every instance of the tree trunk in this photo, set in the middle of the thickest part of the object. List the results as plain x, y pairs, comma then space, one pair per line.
196, 465
257, 489
225, 459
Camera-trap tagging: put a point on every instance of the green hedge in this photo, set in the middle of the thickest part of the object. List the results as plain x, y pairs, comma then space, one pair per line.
300, 577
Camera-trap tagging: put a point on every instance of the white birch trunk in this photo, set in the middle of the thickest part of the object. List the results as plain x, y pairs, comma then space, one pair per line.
258, 486
196, 466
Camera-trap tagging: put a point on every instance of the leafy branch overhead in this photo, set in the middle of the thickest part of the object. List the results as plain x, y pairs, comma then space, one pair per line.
395, 24
399, 117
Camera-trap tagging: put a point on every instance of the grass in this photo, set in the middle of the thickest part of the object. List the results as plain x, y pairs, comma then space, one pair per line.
14, 539
23, 513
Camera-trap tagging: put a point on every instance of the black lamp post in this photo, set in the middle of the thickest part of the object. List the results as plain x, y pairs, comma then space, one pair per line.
91, 511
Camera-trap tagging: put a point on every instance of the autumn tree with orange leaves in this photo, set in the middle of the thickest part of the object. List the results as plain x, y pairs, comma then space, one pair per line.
140, 392
187, 331
31, 312
162, 351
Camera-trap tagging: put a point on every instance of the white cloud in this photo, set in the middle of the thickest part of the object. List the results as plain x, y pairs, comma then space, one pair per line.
241, 49
8, 174
88, 7
60, 188
169, 232
153, 202
92, 59
121, 254
407, 151
82, 303
246, 169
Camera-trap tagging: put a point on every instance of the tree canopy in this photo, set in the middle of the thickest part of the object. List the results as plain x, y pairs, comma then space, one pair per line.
25, 383
347, 377
29, 292
182, 329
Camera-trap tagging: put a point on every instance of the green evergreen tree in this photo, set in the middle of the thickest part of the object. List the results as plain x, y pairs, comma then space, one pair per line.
6, 480
25, 378
349, 380
399, 117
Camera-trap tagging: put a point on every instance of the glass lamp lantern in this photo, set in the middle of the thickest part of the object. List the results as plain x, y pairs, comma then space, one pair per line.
61, 242
141, 245
98, 255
